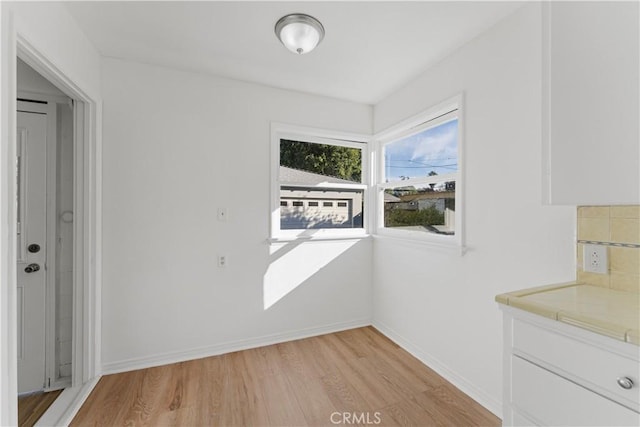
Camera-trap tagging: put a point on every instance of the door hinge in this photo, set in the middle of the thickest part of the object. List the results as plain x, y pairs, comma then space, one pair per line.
48, 382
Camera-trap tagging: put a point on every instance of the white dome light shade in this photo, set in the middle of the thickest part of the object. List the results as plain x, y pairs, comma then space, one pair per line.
299, 33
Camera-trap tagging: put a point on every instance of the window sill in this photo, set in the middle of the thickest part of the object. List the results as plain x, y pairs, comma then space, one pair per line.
452, 246
320, 238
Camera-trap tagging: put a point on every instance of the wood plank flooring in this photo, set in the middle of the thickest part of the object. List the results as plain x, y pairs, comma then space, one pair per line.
355, 377
32, 406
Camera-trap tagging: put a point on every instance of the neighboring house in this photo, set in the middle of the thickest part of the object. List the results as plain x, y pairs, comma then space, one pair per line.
390, 198
441, 200
308, 200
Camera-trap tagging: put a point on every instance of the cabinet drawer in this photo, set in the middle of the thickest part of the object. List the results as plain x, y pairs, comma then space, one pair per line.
551, 400
585, 363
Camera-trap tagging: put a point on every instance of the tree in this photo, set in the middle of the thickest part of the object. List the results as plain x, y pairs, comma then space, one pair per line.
432, 173
323, 159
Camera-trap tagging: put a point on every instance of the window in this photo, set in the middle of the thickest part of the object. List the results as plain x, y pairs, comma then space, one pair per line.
419, 177
318, 185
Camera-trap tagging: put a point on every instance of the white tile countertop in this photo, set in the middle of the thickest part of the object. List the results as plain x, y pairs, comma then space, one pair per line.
605, 311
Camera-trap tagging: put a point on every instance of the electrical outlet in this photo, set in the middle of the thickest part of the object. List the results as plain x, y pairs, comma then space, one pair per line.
222, 261
594, 259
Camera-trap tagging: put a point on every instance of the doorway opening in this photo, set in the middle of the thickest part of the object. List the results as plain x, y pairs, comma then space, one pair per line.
83, 219
44, 237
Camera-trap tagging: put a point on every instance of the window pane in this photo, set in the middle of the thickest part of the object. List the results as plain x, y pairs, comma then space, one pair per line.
433, 151
307, 201
327, 162
429, 208
316, 207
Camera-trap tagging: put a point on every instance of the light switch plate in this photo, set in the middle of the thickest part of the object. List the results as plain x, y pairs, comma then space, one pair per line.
222, 214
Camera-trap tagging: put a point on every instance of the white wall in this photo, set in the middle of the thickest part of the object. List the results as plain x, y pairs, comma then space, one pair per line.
53, 33
49, 28
440, 304
29, 80
178, 146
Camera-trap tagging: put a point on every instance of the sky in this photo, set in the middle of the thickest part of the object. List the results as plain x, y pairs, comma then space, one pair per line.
434, 149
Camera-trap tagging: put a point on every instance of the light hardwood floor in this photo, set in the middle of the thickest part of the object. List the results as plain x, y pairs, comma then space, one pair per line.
356, 375
31, 407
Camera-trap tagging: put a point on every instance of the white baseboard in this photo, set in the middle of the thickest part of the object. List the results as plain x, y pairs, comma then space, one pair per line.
59, 384
443, 370
228, 347
66, 406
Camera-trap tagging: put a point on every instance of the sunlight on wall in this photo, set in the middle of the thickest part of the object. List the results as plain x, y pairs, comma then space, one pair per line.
295, 262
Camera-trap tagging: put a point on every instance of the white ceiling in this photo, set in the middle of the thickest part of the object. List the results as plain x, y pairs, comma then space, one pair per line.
370, 48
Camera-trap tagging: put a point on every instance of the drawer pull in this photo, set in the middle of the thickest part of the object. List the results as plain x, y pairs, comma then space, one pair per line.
625, 383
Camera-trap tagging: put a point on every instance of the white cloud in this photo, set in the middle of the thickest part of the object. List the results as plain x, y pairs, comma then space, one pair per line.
442, 145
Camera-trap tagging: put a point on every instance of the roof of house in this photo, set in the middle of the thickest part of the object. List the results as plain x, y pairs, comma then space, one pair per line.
299, 177
391, 198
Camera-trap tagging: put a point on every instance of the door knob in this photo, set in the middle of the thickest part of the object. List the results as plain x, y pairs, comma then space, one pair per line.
31, 268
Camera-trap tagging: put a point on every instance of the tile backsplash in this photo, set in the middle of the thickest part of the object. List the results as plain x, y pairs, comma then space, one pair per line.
617, 228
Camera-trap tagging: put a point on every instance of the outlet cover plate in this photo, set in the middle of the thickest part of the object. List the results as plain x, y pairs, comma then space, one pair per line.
595, 259
222, 261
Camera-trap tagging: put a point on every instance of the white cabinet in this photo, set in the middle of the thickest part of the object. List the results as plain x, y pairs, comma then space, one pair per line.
558, 374
590, 102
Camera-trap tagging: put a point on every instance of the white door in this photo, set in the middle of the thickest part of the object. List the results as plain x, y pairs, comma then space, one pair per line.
31, 246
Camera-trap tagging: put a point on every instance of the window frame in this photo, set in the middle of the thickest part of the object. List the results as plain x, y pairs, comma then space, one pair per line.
439, 114
280, 131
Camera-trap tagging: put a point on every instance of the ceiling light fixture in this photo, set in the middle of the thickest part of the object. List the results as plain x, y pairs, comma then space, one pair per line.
299, 33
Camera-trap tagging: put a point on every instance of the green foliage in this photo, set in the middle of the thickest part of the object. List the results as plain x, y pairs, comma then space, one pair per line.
330, 160
402, 218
